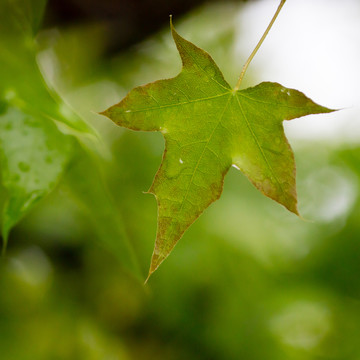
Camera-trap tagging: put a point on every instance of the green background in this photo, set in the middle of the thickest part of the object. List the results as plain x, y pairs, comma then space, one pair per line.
248, 280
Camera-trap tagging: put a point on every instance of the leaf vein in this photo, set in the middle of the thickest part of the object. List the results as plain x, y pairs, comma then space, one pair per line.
202, 154
281, 104
259, 146
201, 68
175, 105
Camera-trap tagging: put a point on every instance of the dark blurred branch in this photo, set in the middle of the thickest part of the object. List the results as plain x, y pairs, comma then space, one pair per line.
128, 21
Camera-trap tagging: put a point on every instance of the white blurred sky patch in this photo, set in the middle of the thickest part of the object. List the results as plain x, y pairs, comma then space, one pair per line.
314, 47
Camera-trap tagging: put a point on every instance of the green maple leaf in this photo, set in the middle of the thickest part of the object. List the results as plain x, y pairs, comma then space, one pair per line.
208, 127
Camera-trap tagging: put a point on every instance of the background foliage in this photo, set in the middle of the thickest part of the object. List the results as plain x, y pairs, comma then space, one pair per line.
248, 280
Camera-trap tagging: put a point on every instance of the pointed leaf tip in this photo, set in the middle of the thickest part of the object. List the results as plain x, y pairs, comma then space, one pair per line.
155, 263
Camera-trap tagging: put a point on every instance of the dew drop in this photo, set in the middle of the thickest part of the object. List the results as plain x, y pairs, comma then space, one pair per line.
128, 111
181, 161
235, 166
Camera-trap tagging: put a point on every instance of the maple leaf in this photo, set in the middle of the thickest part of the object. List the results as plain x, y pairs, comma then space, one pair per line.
208, 127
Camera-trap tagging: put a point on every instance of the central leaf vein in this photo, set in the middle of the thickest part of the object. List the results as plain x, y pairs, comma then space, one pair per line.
203, 152
258, 145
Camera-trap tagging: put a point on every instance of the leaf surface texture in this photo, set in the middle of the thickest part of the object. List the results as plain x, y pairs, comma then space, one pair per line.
208, 127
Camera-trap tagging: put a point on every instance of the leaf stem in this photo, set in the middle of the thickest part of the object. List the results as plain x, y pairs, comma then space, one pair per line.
237, 86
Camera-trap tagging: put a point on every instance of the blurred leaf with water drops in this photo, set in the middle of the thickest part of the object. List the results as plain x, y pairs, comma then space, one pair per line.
33, 154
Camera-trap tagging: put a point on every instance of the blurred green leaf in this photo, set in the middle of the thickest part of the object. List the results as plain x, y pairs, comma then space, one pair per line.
33, 156
21, 82
88, 186
209, 127
21, 17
